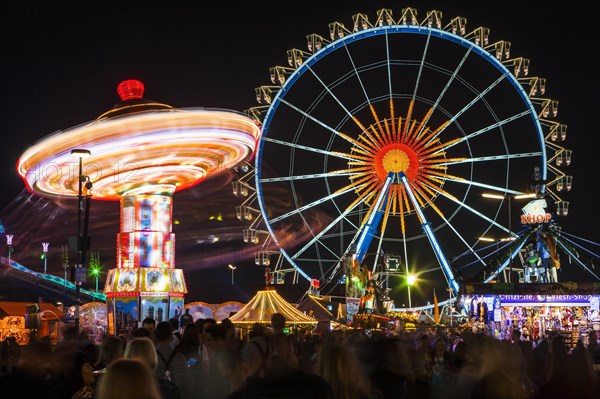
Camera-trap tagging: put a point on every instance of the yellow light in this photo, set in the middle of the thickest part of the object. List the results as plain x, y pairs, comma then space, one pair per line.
496, 196
411, 279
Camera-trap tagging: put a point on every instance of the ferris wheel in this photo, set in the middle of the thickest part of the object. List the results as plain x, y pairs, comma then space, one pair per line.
379, 141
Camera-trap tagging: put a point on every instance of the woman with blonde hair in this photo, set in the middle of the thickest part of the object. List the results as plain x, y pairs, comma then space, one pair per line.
339, 366
142, 348
117, 381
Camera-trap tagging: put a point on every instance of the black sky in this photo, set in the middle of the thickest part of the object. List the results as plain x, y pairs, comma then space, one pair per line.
62, 60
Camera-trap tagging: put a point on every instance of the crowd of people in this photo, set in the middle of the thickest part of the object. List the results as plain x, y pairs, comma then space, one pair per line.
204, 358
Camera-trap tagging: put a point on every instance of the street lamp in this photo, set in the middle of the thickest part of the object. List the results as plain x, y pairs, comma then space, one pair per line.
76, 274
9, 242
232, 268
45, 246
510, 233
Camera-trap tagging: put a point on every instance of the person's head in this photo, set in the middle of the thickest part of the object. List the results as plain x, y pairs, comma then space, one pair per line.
111, 349
149, 323
174, 323
74, 369
516, 335
203, 324
257, 330
163, 332
278, 321
338, 365
190, 339
142, 348
187, 310
117, 382
215, 335
141, 332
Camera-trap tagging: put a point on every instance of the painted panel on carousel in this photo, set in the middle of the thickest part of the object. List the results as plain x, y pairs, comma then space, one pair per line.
228, 309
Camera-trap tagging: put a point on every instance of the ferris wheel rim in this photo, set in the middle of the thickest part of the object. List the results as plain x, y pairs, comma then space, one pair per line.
356, 36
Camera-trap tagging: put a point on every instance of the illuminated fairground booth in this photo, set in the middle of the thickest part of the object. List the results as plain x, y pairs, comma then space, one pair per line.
145, 282
568, 309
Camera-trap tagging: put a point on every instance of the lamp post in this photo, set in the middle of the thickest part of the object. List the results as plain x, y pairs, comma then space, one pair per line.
9, 242
232, 268
510, 233
76, 274
45, 246
411, 279
95, 267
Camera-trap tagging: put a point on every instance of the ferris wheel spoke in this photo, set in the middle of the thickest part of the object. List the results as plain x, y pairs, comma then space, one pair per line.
469, 105
448, 223
307, 148
488, 128
418, 79
325, 230
482, 185
491, 158
473, 210
443, 92
317, 121
311, 205
306, 177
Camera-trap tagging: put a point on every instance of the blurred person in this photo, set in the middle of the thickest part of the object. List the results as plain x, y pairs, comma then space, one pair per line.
142, 332
73, 376
143, 348
186, 318
440, 359
117, 382
171, 363
282, 346
69, 342
9, 355
233, 341
30, 376
338, 365
423, 365
222, 377
502, 372
387, 363
190, 347
176, 333
111, 348
149, 324
285, 382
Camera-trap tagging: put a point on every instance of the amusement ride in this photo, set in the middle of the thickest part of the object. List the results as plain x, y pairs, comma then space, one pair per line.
140, 153
401, 145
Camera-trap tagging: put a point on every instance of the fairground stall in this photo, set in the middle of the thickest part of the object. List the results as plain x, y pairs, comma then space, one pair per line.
538, 311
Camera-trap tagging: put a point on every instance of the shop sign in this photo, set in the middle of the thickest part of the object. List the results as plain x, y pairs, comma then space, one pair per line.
534, 212
549, 300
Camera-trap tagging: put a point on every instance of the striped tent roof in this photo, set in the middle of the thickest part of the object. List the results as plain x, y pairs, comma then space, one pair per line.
264, 304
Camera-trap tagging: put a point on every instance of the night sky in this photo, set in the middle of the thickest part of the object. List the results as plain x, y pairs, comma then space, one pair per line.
62, 60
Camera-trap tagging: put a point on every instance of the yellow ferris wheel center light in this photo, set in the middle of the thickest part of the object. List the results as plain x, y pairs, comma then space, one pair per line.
396, 161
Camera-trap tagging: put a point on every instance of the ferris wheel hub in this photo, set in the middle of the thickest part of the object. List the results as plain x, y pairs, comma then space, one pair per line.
396, 157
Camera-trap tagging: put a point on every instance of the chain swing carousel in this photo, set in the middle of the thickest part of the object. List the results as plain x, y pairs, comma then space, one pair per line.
140, 153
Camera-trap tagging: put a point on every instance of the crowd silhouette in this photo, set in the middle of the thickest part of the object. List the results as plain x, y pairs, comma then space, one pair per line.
211, 359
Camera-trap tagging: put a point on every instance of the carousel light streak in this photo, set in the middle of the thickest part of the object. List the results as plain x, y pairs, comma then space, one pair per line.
180, 147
